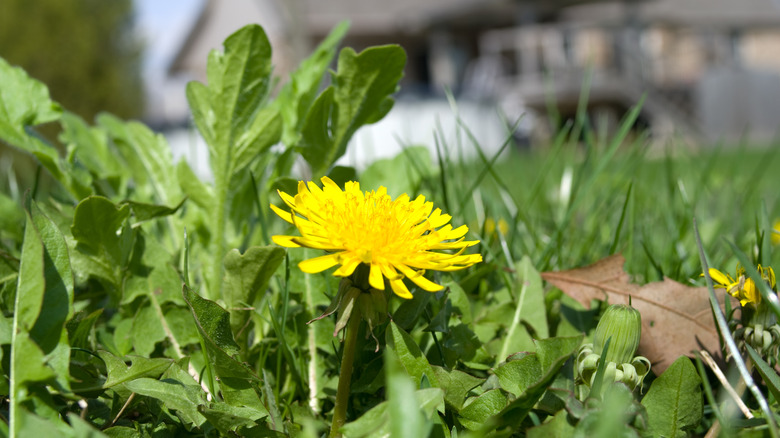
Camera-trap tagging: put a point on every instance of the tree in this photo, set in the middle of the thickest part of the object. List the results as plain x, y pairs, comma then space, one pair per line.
84, 50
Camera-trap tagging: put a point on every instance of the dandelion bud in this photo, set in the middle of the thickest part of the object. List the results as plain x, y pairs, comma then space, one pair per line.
623, 324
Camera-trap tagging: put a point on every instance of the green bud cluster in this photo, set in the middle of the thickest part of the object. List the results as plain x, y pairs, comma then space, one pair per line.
757, 326
765, 340
621, 325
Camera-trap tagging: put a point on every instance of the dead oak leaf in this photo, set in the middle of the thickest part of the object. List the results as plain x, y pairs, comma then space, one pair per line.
676, 318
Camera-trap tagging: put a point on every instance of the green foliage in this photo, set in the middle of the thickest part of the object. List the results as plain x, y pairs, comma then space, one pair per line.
674, 401
139, 300
83, 50
359, 95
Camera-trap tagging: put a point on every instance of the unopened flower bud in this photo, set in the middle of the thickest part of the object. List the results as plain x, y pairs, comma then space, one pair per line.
623, 324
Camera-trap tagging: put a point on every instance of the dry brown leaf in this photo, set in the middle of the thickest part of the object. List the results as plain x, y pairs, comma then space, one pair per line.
676, 319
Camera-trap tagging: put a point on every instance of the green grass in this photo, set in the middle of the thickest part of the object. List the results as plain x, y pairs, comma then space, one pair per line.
648, 194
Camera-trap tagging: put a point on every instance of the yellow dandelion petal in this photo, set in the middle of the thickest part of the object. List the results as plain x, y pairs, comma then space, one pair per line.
319, 264
775, 234
400, 289
419, 280
744, 288
285, 241
396, 238
282, 214
722, 279
347, 267
750, 293
375, 278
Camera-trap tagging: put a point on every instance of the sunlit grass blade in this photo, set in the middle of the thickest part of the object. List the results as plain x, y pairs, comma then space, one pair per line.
708, 393
615, 241
769, 374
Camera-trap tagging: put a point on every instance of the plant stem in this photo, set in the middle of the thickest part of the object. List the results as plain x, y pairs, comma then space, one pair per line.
345, 376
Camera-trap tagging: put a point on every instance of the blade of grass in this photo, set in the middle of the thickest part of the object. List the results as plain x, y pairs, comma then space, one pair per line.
555, 243
442, 172
708, 392
768, 373
613, 248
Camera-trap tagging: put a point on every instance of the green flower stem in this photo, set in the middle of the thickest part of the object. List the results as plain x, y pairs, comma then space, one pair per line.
345, 376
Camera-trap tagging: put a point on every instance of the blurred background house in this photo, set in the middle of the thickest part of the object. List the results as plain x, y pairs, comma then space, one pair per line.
709, 69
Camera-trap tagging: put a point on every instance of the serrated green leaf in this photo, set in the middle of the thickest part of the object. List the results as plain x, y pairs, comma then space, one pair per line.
119, 372
163, 282
184, 399
89, 146
29, 363
245, 275
528, 296
6, 329
557, 427
359, 95
232, 116
122, 432
25, 103
410, 356
80, 327
144, 212
201, 194
551, 350
12, 219
456, 385
406, 419
228, 107
264, 132
296, 96
147, 330
179, 320
674, 400
54, 305
516, 376
552, 354
96, 221
148, 158
44, 296
460, 302
226, 418
122, 337
474, 415
237, 382
30, 424
213, 322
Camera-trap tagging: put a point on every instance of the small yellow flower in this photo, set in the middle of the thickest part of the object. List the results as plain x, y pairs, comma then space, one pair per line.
774, 237
491, 226
395, 238
743, 288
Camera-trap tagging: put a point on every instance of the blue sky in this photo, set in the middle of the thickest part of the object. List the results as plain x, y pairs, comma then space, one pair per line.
162, 25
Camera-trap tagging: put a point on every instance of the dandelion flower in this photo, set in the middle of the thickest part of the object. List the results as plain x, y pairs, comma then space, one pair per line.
743, 288
774, 236
396, 238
